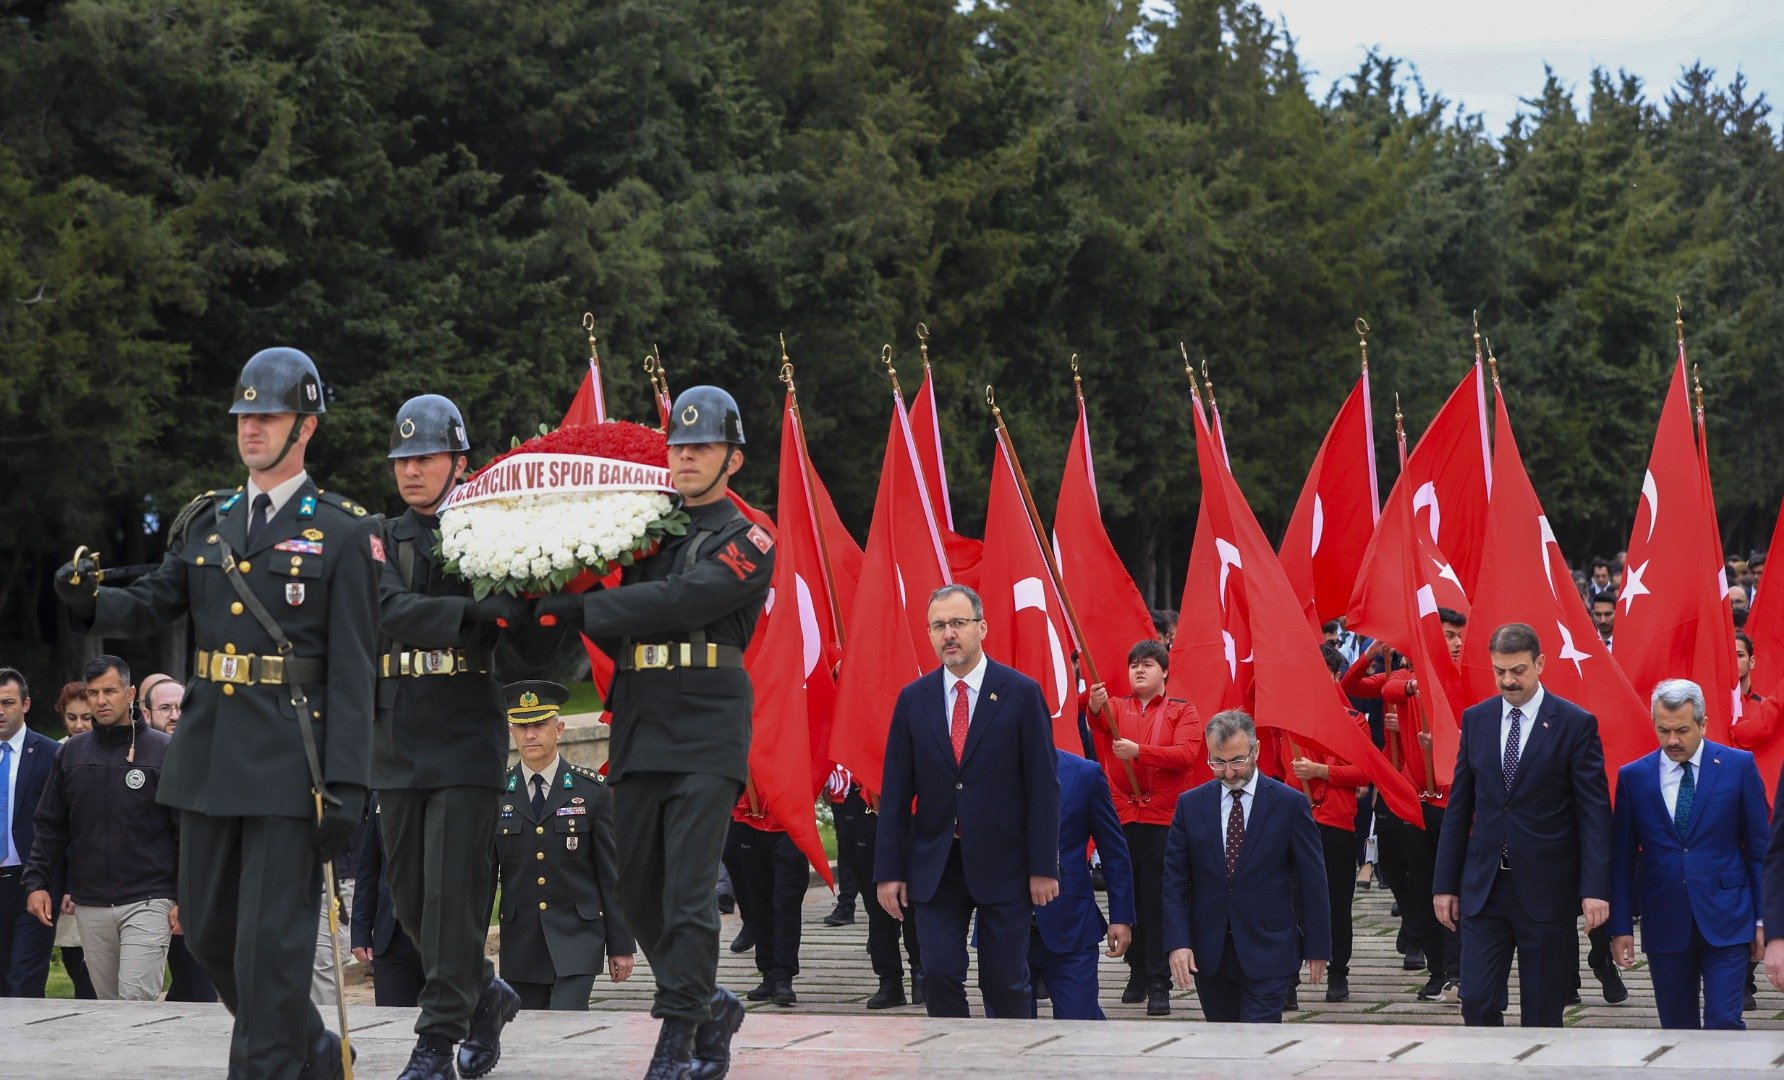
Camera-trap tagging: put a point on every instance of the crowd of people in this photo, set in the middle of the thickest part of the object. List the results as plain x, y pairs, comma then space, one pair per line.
184, 826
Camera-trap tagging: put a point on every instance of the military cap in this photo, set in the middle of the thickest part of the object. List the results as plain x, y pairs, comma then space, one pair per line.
705, 414
279, 380
428, 424
533, 701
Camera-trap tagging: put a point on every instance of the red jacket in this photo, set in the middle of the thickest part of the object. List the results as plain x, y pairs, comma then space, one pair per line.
1170, 736
1395, 691
1759, 722
1334, 798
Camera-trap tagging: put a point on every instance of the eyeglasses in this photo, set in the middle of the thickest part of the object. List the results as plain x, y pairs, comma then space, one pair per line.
172, 708
1229, 763
942, 626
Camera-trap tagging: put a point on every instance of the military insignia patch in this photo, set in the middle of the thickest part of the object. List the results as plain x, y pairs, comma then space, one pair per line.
733, 557
302, 547
135, 779
759, 537
570, 843
569, 811
294, 593
312, 534
378, 548
577, 801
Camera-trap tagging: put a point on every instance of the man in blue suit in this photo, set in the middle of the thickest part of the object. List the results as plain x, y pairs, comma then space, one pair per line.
1062, 947
1242, 858
972, 742
1689, 837
1525, 847
25, 758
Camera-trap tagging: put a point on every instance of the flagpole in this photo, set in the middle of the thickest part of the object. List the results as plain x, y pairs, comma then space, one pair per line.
594, 367
1071, 614
810, 481
659, 383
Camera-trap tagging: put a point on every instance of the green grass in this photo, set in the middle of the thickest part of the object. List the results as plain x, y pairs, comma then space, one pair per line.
60, 985
583, 699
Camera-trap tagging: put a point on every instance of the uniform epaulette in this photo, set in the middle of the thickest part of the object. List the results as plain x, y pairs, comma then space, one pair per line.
586, 773
183, 520
342, 503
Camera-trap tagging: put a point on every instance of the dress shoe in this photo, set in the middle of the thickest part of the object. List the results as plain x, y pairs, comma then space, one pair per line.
325, 1058
744, 941
482, 1048
1135, 990
783, 991
1337, 988
1039, 983
673, 1058
1158, 1002
430, 1060
727, 903
889, 995
712, 1040
1395, 912
840, 916
1614, 991
919, 996
1433, 988
1413, 961
763, 991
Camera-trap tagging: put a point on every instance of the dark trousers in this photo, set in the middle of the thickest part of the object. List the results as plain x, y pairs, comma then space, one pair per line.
1070, 977
1721, 972
1442, 946
25, 943
1145, 958
1340, 849
670, 832
398, 973
439, 859
1392, 840
250, 895
188, 981
74, 962
942, 922
769, 874
847, 817
568, 993
883, 931
1548, 961
1228, 997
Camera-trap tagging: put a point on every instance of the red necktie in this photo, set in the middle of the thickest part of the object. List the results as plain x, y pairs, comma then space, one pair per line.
958, 729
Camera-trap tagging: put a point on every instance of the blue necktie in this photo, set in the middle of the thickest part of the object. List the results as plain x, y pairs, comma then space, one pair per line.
5, 789
1509, 767
1682, 806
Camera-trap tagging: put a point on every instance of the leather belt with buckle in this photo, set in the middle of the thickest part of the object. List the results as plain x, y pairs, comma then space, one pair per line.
680, 654
250, 669
419, 662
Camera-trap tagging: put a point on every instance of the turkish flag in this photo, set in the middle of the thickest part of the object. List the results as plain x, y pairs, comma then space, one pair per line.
888, 635
1451, 478
589, 406
1524, 579
1110, 611
1254, 648
964, 554
1765, 625
1405, 582
1672, 618
1025, 617
1322, 550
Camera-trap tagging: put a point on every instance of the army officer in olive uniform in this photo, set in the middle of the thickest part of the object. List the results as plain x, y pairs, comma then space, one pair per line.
438, 749
280, 581
676, 628
554, 849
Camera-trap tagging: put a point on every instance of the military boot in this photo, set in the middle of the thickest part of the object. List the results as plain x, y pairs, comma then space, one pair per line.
325, 1058
482, 1048
712, 1040
673, 1057
430, 1060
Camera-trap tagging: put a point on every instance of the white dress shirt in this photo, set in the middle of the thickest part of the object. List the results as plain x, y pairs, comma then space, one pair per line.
1527, 716
1672, 774
14, 759
280, 494
1245, 801
973, 680
549, 773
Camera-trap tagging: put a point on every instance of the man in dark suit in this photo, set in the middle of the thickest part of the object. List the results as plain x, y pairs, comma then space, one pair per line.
973, 742
398, 973
1526, 839
1690, 832
1240, 849
1062, 946
25, 759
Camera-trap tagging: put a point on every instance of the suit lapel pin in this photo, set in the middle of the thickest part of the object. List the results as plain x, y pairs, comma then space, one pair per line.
1715, 761
993, 697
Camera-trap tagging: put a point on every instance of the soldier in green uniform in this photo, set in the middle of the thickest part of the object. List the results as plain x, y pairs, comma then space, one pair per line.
554, 847
438, 750
676, 628
280, 581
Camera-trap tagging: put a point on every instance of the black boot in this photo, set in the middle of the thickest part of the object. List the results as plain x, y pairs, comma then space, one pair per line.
744, 941
1158, 1001
482, 1048
1337, 988
431, 1060
889, 995
325, 1058
674, 1056
712, 1040
1135, 990
918, 995
783, 991
764, 990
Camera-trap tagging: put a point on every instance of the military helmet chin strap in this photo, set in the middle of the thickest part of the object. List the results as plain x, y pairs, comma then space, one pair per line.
297, 425
451, 482
724, 473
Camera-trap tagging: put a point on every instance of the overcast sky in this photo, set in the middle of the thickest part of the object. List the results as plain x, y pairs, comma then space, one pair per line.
1487, 56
